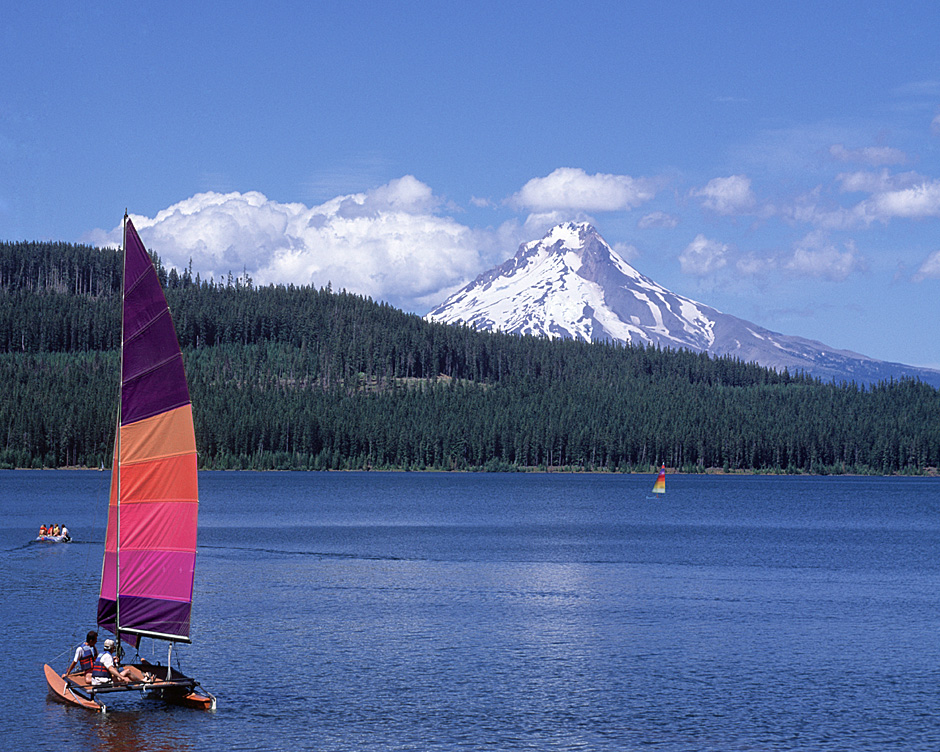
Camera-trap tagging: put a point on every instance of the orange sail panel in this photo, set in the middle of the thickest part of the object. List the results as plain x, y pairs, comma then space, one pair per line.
150, 547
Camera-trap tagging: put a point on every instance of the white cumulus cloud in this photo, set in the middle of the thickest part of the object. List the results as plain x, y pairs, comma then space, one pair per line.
571, 188
387, 243
730, 195
915, 202
703, 256
904, 196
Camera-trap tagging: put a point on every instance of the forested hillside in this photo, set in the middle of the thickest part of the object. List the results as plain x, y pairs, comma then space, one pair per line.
302, 378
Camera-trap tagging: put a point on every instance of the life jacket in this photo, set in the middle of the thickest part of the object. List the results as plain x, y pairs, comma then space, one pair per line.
87, 659
42, 529
99, 670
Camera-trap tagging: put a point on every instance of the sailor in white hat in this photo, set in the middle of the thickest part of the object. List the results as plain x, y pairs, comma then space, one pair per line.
104, 670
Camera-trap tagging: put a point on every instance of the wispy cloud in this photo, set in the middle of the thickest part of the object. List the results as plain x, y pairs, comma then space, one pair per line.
870, 155
753, 265
626, 251
657, 219
875, 182
703, 256
815, 256
930, 269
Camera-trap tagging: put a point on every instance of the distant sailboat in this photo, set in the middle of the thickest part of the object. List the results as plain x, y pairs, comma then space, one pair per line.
150, 543
659, 487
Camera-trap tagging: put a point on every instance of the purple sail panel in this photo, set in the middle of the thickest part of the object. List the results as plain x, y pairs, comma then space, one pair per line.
107, 614
152, 375
150, 346
153, 392
107, 619
156, 615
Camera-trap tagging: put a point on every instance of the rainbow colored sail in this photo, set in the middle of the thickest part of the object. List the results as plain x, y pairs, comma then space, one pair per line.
660, 485
150, 546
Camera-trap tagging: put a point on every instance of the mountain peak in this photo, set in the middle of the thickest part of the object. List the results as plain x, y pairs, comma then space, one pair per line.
568, 235
572, 284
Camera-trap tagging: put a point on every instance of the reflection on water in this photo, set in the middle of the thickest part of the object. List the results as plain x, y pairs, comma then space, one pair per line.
140, 725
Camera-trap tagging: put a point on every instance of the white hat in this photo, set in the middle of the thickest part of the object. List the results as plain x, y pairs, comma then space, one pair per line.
109, 644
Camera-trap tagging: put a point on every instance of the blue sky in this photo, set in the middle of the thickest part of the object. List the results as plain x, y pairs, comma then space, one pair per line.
778, 161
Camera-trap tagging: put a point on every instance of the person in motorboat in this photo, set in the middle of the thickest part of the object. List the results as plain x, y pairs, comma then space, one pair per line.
104, 670
42, 530
65, 533
85, 654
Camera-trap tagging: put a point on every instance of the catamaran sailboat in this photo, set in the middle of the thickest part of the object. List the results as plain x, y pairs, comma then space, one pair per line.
150, 544
659, 487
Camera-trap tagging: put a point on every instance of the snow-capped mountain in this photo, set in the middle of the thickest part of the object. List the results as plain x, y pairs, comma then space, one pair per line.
572, 284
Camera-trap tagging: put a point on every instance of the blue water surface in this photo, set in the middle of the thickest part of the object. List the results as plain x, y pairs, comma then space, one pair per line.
399, 611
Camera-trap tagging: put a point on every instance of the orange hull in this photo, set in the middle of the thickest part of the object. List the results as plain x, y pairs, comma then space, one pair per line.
61, 691
76, 689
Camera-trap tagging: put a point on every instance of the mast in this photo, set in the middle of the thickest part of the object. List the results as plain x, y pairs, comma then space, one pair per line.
117, 460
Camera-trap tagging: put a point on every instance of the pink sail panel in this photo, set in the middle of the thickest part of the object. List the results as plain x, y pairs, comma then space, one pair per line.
150, 546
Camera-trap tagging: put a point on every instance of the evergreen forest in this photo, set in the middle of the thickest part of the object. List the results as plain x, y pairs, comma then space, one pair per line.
300, 378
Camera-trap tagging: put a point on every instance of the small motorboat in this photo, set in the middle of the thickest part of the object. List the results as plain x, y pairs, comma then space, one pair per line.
54, 538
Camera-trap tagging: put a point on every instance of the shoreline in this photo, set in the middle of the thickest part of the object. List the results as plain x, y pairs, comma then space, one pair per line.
927, 472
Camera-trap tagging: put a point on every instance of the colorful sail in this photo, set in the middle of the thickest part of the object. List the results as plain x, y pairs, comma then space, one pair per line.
660, 485
150, 547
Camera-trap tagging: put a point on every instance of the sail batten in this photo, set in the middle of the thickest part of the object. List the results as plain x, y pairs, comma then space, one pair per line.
148, 570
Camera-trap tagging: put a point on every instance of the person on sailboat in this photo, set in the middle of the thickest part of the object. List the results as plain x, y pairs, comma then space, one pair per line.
104, 671
85, 654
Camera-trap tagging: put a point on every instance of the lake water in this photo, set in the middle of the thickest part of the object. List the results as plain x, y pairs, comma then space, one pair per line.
397, 611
